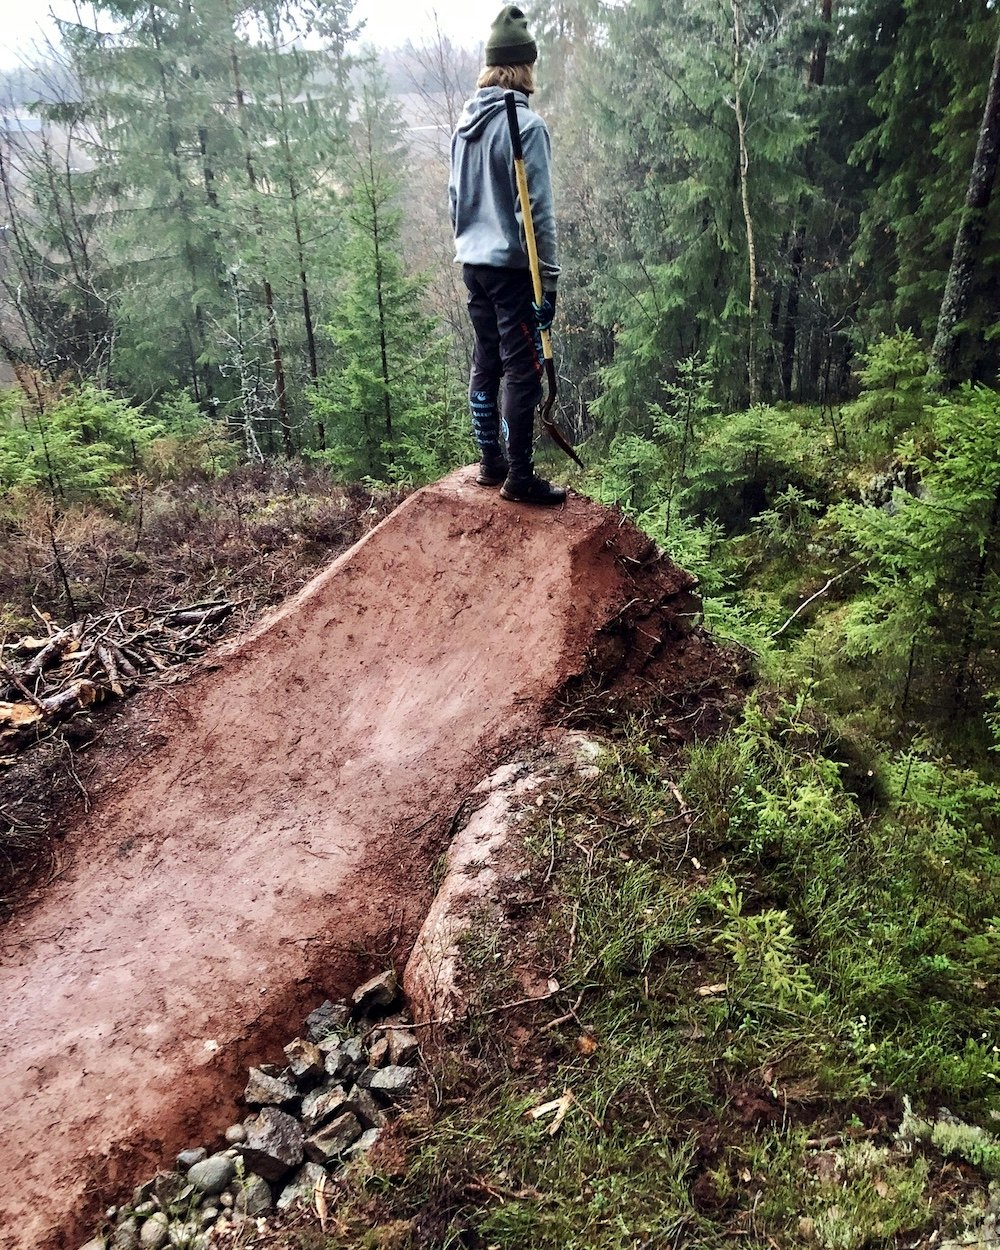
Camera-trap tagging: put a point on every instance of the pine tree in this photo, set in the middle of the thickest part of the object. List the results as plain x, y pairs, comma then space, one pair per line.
932, 561
700, 111
383, 394
958, 290
202, 118
152, 96
927, 109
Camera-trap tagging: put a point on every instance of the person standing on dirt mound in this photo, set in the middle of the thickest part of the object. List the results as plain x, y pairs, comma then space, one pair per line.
489, 245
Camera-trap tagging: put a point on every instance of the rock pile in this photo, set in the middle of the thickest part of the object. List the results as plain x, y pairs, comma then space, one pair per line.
309, 1117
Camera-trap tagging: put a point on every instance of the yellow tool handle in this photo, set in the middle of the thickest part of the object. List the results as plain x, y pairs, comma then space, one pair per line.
529, 226
529, 238
520, 174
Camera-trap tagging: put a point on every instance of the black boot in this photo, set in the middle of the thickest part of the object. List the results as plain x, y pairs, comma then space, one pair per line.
492, 471
533, 489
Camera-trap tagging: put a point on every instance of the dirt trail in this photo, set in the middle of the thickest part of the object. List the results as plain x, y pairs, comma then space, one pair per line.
290, 814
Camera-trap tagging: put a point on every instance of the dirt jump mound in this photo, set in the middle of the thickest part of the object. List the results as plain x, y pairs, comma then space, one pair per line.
276, 838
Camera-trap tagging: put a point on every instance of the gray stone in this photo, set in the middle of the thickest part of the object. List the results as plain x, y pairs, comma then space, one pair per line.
321, 1105
378, 1053
365, 1142
302, 1187
274, 1144
126, 1234
235, 1134
333, 1139
142, 1209
254, 1196
183, 1199
347, 1060
153, 1234
167, 1186
354, 1048
403, 1047
267, 1090
305, 1060
188, 1158
212, 1175
142, 1193
182, 1236
364, 1106
208, 1216
226, 1200
326, 1019
337, 1064
391, 1082
380, 993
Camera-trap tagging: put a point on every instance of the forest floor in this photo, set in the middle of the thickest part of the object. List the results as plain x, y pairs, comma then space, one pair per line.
770, 948
272, 830
249, 537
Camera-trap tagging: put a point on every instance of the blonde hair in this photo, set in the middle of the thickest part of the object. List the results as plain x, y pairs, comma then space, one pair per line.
509, 77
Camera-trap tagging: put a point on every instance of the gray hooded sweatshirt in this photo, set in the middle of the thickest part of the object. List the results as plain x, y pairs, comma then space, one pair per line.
482, 190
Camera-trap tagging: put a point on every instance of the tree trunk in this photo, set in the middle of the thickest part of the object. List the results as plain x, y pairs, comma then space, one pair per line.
277, 356
293, 195
383, 344
790, 335
195, 335
380, 300
753, 310
817, 65
278, 360
961, 275
817, 77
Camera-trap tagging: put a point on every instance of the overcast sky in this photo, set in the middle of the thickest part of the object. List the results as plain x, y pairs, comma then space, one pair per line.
388, 22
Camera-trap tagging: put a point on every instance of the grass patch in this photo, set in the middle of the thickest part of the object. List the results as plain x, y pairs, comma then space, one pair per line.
755, 974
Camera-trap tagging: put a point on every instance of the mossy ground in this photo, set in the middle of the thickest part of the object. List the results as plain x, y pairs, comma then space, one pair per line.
757, 975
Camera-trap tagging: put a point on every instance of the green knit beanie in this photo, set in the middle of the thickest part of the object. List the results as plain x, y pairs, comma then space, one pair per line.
509, 42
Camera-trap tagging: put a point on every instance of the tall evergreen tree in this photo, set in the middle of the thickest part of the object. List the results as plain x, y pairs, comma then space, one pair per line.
201, 119
152, 91
928, 107
381, 400
700, 108
958, 290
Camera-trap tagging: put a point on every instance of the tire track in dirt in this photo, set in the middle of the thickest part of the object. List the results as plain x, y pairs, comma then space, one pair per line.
289, 819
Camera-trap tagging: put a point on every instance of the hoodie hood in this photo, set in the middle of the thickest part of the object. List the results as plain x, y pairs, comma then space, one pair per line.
485, 105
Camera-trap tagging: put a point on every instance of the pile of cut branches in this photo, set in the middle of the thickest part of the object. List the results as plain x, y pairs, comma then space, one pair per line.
46, 679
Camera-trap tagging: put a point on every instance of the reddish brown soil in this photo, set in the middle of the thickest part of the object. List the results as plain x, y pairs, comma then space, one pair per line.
278, 836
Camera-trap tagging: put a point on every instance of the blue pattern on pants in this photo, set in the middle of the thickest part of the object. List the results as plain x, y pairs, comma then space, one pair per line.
486, 424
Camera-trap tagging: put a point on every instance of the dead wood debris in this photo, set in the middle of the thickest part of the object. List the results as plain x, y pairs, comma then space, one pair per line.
50, 678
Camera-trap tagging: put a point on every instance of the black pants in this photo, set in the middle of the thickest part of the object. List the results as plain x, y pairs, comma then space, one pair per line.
507, 347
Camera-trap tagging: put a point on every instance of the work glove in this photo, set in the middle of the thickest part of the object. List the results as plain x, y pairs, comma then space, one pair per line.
545, 312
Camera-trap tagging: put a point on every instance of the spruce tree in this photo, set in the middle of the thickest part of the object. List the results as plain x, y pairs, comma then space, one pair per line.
383, 400
958, 292
700, 111
931, 612
927, 108
201, 120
